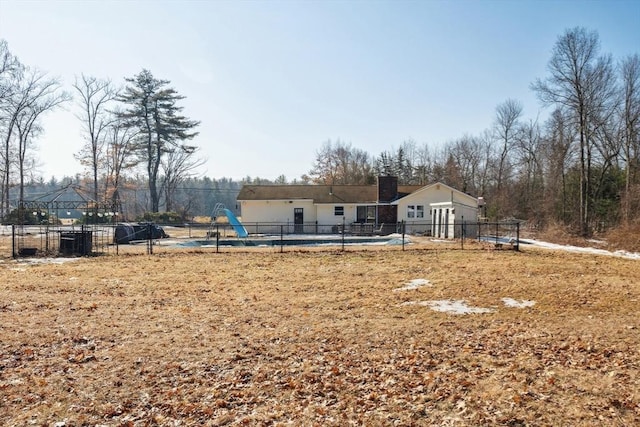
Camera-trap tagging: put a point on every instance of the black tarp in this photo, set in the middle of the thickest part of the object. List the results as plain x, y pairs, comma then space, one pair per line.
129, 232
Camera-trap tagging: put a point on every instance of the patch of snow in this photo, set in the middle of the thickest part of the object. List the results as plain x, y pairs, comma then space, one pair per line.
598, 242
414, 284
398, 241
579, 249
396, 235
510, 302
27, 261
625, 254
451, 306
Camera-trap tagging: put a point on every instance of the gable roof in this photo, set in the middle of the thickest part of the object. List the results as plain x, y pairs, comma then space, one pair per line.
317, 193
469, 197
334, 194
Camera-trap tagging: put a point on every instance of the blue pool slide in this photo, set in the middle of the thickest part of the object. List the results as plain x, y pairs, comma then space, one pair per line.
236, 224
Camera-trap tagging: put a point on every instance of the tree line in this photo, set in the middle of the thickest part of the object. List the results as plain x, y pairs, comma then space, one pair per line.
130, 130
194, 197
578, 167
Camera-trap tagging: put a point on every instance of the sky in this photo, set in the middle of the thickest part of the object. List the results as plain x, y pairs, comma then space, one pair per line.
272, 81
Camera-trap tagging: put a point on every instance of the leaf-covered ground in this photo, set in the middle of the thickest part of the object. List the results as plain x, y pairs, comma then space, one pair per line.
320, 338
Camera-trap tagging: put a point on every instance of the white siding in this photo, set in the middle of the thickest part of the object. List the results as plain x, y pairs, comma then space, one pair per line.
326, 214
256, 214
462, 204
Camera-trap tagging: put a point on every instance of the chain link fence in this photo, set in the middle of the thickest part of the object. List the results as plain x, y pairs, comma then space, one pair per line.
148, 238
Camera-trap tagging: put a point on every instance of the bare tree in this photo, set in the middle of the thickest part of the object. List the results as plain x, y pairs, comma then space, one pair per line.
558, 150
10, 67
529, 188
466, 152
340, 163
581, 82
11, 73
630, 118
35, 94
43, 95
423, 165
95, 96
178, 165
506, 129
120, 155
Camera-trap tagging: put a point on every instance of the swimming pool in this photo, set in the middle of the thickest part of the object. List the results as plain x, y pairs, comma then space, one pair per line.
297, 240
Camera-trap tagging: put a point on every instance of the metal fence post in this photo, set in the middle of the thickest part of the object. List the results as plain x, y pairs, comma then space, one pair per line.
13, 240
150, 240
281, 239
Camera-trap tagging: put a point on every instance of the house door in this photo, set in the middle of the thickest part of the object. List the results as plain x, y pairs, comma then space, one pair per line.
446, 223
298, 220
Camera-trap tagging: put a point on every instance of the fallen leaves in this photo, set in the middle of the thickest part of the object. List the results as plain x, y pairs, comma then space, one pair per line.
320, 339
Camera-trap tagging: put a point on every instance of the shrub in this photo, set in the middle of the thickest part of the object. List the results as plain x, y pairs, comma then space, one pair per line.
21, 216
161, 218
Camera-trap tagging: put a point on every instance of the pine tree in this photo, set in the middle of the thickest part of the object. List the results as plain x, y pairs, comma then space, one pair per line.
151, 108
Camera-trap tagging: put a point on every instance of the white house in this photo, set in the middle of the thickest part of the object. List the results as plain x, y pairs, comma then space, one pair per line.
436, 208
360, 209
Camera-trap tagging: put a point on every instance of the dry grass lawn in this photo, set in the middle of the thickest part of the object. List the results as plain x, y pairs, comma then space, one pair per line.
320, 338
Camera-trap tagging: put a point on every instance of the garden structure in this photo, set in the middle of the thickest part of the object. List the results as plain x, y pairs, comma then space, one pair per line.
64, 223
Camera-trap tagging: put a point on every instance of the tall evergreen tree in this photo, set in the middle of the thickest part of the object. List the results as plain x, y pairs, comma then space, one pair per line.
151, 108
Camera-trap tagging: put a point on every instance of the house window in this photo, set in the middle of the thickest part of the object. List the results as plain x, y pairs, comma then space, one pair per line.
366, 214
338, 211
415, 211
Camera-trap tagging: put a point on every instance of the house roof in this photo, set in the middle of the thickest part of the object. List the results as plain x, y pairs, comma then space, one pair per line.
472, 200
334, 194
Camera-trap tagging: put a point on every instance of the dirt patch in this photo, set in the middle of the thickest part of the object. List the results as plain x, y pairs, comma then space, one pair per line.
321, 338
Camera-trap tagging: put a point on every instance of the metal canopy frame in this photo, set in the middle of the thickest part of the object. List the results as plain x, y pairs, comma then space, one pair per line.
52, 202
52, 235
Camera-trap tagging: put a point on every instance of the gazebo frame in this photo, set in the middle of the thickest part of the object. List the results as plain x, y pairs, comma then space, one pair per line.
50, 237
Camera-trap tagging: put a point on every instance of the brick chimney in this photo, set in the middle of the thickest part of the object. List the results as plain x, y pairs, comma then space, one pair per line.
387, 189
